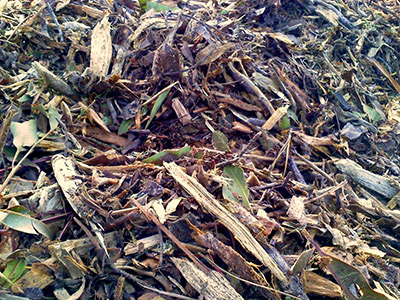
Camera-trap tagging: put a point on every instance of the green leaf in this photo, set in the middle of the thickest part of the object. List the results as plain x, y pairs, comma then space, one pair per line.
22, 210
10, 152
159, 7
13, 271
220, 141
143, 5
51, 113
107, 120
168, 155
125, 125
349, 278
5, 279
53, 116
25, 134
18, 219
302, 262
236, 189
199, 155
284, 123
25, 98
292, 115
156, 106
373, 114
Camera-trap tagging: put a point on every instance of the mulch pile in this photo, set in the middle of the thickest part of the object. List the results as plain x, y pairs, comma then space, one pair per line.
200, 149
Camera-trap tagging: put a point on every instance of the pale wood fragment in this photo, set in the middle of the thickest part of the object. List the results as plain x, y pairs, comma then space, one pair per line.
142, 244
101, 48
275, 117
212, 285
382, 185
181, 111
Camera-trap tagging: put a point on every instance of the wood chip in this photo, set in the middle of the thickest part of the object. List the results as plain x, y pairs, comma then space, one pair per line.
101, 48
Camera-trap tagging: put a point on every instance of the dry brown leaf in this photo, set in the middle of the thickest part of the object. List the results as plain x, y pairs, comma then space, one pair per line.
212, 52
94, 118
107, 137
241, 127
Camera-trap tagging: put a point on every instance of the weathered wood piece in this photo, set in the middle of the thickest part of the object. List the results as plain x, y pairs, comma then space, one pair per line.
212, 285
384, 186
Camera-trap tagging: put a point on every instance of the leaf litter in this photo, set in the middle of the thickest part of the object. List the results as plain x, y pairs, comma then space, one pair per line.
197, 149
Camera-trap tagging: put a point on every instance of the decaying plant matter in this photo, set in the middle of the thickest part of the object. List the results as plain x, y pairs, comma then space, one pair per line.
199, 149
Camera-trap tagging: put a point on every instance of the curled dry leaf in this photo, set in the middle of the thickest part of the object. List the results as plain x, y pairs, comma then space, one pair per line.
212, 52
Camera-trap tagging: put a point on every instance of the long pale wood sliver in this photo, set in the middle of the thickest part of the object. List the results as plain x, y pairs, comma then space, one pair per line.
213, 206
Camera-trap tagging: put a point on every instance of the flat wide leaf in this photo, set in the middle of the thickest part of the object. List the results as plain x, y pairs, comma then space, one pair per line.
54, 116
25, 134
349, 278
220, 141
21, 221
236, 189
158, 6
373, 114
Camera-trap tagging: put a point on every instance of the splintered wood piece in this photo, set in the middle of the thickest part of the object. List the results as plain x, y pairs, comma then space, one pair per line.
173, 238
275, 117
382, 185
142, 244
212, 52
212, 285
180, 110
236, 103
211, 205
319, 285
317, 141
